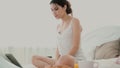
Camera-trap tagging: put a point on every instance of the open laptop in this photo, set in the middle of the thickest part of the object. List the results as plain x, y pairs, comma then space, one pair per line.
13, 60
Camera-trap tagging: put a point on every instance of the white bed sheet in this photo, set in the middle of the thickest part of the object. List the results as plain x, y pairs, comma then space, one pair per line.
108, 63
98, 37
104, 63
29, 66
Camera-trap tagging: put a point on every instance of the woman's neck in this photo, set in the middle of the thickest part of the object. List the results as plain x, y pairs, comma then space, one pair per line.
66, 19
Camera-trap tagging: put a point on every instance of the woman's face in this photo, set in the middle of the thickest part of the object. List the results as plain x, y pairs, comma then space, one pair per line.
57, 11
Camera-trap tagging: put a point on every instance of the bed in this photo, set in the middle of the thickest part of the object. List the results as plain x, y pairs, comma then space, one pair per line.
96, 38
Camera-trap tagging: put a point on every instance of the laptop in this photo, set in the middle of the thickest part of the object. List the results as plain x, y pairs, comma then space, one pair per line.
13, 60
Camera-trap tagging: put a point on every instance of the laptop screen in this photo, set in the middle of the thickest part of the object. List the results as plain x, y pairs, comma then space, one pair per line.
13, 60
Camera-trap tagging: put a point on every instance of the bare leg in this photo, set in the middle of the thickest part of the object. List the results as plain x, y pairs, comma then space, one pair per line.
66, 60
118, 60
41, 62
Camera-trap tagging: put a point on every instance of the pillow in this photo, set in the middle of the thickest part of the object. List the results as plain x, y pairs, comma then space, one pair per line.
96, 37
108, 50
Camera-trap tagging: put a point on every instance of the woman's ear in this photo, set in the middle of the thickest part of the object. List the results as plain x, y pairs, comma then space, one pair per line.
65, 7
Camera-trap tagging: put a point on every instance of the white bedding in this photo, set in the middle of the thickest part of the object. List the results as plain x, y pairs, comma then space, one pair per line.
6, 64
98, 37
108, 63
29, 66
104, 63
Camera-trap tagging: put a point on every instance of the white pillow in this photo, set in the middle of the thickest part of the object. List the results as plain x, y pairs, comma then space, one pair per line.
98, 37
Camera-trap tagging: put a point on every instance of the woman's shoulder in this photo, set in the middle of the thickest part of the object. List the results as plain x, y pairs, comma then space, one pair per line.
76, 23
75, 20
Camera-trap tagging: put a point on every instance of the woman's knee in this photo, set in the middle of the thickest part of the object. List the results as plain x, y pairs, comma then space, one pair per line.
34, 59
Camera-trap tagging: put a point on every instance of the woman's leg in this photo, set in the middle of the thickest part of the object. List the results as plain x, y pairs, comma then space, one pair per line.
118, 60
41, 62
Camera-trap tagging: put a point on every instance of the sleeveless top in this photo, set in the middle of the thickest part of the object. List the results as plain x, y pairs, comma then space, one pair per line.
64, 42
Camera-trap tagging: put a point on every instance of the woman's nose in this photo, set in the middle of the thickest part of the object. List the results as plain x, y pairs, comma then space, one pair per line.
54, 12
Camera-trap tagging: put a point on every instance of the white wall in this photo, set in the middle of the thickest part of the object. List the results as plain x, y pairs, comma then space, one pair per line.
26, 23
97, 13
30, 22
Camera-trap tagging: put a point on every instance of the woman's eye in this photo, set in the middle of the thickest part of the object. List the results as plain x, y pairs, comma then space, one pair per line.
56, 8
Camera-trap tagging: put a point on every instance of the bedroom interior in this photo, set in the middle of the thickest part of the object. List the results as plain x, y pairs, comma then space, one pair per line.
23, 36
109, 36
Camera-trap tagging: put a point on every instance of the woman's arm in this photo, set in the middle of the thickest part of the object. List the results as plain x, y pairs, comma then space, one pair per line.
76, 37
57, 54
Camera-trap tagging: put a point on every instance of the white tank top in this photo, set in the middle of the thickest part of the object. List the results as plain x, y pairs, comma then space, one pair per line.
64, 42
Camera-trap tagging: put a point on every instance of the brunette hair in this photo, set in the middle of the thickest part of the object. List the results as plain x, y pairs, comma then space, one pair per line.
62, 3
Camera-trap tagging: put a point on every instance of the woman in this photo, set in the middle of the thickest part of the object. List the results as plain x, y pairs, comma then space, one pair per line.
68, 38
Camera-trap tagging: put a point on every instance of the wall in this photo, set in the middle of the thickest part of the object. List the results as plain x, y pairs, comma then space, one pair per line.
94, 14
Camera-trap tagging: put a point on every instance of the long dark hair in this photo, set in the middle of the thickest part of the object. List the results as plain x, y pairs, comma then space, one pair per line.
62, 3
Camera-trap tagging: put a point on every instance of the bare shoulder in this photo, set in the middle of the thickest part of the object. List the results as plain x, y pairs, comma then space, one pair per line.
76, 24
76, 20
